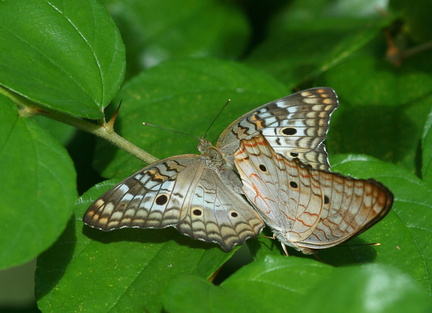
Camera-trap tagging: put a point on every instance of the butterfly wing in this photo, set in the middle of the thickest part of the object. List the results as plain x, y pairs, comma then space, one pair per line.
183, 192
307, 208
295, 126
351, 206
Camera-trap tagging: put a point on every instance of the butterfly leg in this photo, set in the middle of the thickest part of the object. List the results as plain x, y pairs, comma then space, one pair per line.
284, 248
274, 238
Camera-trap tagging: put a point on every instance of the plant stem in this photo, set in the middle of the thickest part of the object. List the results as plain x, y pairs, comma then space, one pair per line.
105, 131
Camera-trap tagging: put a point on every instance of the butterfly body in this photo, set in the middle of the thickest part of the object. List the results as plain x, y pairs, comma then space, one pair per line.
268, 167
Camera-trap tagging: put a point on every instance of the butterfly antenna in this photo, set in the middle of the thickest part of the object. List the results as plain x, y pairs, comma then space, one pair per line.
170, 130
217, 116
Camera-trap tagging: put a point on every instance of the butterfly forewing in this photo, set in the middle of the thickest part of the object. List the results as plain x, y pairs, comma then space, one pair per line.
145, 199
295, 126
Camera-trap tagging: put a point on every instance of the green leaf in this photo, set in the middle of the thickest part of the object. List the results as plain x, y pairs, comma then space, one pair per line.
62, 132
38, 187
183, 95
125, 270
370, 288
256, 286
206, 297
66, 56
275, 283
278, 277
156, 31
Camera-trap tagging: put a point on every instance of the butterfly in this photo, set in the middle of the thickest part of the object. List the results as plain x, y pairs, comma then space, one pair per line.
268, 167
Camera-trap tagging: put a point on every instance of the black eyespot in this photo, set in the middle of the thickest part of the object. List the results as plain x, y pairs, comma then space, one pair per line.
234, 214
293, 184
289, 131
326, 200
263, 168
294, 154
197, 212
161, 200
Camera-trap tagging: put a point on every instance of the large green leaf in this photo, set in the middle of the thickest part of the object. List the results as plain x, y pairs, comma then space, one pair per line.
38, 189
277, 283
64, 55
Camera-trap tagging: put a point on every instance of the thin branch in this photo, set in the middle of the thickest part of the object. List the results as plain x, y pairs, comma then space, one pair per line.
105, 131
